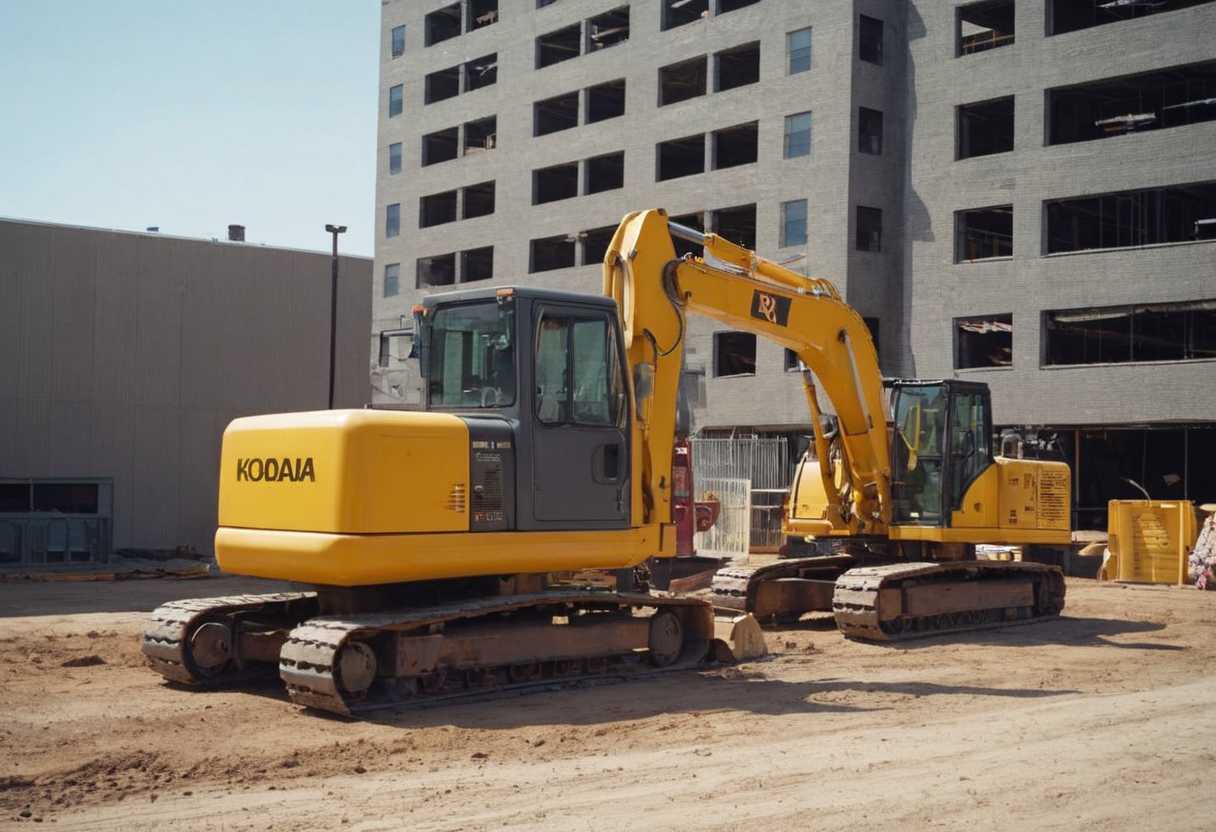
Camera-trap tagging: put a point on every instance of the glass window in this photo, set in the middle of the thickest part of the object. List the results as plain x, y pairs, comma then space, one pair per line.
398, 41
470, 356
798, 51
869, 228
392, 279
797, 135
394, 157
869, 131
392, 220
870, 40
578, 376
394, 101
920, 420
793, 223
970, 448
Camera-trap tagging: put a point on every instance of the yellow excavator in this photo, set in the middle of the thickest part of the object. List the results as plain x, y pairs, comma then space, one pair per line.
433, 538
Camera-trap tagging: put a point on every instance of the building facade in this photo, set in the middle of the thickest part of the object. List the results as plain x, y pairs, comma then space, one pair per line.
1016, 192
125, 357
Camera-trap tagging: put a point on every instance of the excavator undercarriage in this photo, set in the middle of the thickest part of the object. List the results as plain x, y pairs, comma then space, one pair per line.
892, 601
351, 662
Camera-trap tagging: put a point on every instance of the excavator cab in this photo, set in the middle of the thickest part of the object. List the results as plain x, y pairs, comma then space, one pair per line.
539, 377
941, 443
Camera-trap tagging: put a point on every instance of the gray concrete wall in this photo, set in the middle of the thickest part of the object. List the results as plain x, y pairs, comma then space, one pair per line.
937, 290
126, 355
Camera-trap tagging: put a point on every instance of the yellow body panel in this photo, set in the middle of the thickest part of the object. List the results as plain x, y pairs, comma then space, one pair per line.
356, 560
346, 472
1149, 540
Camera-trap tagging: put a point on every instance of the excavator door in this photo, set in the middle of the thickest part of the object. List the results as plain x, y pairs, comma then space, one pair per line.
580, 450
941, 444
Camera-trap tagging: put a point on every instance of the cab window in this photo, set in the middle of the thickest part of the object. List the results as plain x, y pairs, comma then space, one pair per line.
578, 371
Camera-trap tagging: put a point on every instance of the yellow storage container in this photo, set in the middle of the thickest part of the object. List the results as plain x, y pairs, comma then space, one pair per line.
1149, 540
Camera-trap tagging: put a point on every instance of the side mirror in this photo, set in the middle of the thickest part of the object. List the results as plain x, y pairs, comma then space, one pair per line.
643, 385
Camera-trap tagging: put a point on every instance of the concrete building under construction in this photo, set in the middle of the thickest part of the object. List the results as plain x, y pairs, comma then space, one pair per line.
1022, 193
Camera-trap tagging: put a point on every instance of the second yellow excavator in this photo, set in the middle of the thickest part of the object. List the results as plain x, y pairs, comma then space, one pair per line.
431, 538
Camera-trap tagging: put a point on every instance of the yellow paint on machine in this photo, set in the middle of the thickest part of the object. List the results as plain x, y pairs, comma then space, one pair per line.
1149, 540
357, 560
346, 472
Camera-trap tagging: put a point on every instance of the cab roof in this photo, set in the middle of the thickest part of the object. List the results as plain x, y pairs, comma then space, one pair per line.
522, 292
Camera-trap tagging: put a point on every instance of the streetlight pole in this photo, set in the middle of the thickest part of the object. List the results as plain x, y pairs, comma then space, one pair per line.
335, 230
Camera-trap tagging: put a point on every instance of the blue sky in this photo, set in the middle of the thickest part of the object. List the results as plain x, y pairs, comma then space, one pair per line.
192, 115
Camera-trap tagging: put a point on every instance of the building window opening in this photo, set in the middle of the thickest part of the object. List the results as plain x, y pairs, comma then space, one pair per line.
869, 131
869, 228
734, 146
1134, 104
983, 342
398, 41
549, 253
442, 85
606, 173
554, 114
605, 101
608, 29
984, 26
437, 209
797, 136
869, 40
480, 135
725, 6
798, 51
394, 158
872, 325
396, 100
481, 72
792, 362
793, 223
558, 46
694, 221
734, 354
439, 270
681, 12
440, 146
595, 244
682, 81
1132, 218
985, 128
555, 183
983, 233
477, 264
681, 157
392, 280
478, 200
737, 67
443, 24
1183, 331
1071, 15
482, 13
392, 219
737, 224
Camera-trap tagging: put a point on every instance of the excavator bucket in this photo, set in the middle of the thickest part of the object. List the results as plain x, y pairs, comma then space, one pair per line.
742, 635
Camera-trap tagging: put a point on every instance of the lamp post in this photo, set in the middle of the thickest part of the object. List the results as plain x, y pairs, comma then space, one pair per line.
335, 230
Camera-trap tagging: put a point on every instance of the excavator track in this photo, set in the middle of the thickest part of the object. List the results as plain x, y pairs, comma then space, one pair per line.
779, 591
481, 647
171, 635
903, 601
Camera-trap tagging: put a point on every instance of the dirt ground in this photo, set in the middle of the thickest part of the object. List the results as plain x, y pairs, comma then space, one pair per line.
1098, 720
